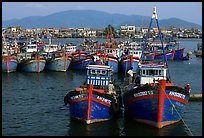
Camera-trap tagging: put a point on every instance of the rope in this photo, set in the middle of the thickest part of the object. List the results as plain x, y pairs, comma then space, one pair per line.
177, 112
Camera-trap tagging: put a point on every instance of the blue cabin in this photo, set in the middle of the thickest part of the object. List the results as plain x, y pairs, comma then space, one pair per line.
99, 75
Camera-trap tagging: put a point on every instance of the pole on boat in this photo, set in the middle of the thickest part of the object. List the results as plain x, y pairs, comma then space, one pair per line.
8, 54
7, 63
65, 61
38, 63
162, 90
89, 103
131, 56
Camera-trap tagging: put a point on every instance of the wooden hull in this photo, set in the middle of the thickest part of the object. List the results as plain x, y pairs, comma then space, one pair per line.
32, 65
9, 65
58, 64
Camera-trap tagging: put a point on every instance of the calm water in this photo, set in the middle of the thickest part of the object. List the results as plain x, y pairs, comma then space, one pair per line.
32, 104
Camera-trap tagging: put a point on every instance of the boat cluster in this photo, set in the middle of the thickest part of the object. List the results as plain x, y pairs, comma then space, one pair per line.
39, 56
150, 97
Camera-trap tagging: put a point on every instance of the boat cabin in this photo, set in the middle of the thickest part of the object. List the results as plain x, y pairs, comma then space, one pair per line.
99, 75
50, 47
30, 48
152, 73
135, 52
70, 48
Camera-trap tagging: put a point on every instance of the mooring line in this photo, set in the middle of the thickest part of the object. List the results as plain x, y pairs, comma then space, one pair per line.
177, 112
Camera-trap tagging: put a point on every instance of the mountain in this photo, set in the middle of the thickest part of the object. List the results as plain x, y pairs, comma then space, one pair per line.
91, 19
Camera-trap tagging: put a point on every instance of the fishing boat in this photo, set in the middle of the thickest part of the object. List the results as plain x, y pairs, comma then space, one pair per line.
31, 60
131, 56
80, 60
112, 54
9, 61
58, 61
98, 99
153, 98
112, 50
198, 52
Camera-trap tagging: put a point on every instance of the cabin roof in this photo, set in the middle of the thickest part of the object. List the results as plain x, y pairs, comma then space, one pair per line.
99, 67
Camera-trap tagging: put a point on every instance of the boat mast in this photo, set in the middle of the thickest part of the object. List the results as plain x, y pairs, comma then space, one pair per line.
154, 16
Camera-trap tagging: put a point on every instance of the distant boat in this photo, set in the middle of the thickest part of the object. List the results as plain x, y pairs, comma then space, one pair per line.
153, 98
80, 60
198, 52
9, 61
58, 61
31, 62
172, 51
98, 99
131, 57
112, 53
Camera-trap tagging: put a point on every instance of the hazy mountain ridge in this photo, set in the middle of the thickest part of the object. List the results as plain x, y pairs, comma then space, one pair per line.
91, 19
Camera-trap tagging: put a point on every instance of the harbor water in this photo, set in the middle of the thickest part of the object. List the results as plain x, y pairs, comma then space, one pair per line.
32, 103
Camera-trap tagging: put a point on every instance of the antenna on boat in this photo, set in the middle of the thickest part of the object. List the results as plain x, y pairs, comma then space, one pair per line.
154, 16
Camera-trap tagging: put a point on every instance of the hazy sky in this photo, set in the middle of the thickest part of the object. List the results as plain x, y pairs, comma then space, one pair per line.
188, 11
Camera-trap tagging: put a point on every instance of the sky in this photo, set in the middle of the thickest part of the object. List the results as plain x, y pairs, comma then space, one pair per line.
188, 11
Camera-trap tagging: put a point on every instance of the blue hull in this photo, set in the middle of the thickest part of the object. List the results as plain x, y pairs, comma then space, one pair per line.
126, 66
178, 54
114, 64
80, 64
143, 106
32, 65
11, 67
90, 111
169, 56
58, 65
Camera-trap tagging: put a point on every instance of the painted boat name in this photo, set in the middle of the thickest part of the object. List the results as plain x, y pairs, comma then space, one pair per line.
143, 93
177, 94
104, 100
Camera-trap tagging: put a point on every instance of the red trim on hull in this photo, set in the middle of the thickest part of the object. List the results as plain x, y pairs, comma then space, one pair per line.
103, 103
78, 100
113, 61
156, 96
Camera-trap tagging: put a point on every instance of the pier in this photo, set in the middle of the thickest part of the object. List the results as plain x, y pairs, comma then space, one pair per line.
195, 97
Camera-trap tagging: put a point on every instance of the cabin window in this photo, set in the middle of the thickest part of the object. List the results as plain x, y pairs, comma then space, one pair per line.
103, 72
156, 72
151, 72
147, 72
162, 72
143, 72
159, 72
136, 52
98, 72
93, 71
